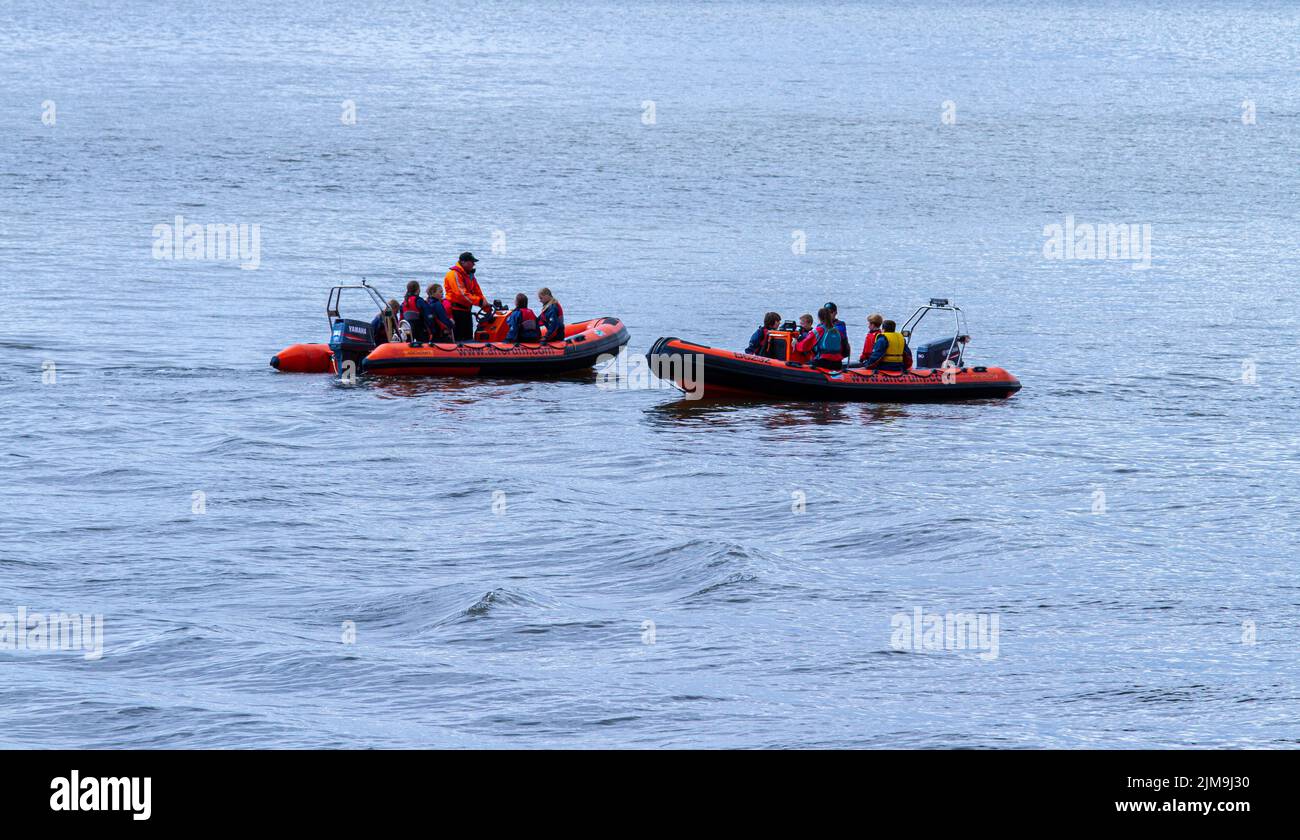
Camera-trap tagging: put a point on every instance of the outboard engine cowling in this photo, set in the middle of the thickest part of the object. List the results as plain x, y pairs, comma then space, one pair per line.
933, 354
350, 341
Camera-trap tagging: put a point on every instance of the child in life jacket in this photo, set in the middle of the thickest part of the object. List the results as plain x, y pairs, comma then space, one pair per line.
805, 325
890, 351
552, 315
758, 341
842, 327
824, 342
873, 332
444, 326
521, 323
416, 312
382, 327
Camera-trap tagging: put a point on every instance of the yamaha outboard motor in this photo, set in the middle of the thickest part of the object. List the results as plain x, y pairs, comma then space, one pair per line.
350, 341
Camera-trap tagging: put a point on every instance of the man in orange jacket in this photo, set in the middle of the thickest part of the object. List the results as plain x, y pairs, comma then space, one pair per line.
463, 293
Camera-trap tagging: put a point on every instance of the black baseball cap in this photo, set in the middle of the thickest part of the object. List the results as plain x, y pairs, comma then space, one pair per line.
468, 257
830, 305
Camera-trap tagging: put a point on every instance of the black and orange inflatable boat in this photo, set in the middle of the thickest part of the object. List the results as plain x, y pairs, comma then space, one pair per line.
939, 375
354, 349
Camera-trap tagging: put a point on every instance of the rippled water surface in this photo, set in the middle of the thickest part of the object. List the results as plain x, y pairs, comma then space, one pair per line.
1128, 518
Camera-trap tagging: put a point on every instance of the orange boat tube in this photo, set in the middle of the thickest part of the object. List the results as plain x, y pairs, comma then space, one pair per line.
584, 343
304, 358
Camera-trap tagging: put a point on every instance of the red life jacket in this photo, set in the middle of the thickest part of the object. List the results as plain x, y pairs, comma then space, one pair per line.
411, 304
528, 329
869, 344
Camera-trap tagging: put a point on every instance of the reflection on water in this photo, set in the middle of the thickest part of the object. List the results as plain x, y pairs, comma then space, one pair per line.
467, 388
773, 415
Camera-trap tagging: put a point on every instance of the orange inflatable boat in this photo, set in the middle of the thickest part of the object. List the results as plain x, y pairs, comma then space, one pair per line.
354, 349
940, 374
490, 354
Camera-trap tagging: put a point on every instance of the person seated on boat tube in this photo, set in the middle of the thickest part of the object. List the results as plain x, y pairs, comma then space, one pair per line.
824, 342
874, 320
552, 316
464, 294
417, 312
444, 326
841, 326
382, 327
521, 323
758, 342
890, 351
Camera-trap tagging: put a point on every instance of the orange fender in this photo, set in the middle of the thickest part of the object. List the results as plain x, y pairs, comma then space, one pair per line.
304, 358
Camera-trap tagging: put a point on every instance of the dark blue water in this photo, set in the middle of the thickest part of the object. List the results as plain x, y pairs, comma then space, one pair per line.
546, 564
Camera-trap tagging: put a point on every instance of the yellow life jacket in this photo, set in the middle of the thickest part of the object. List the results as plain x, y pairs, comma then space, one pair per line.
894, 349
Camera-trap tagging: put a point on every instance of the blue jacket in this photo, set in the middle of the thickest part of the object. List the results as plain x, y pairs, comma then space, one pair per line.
552, 318
756, 341
844, 334
423, 325
436, 313
514, 321
377, 329
878, 352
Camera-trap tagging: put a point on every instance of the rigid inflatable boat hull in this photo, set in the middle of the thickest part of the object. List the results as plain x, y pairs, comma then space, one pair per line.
584, 344
724, 373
